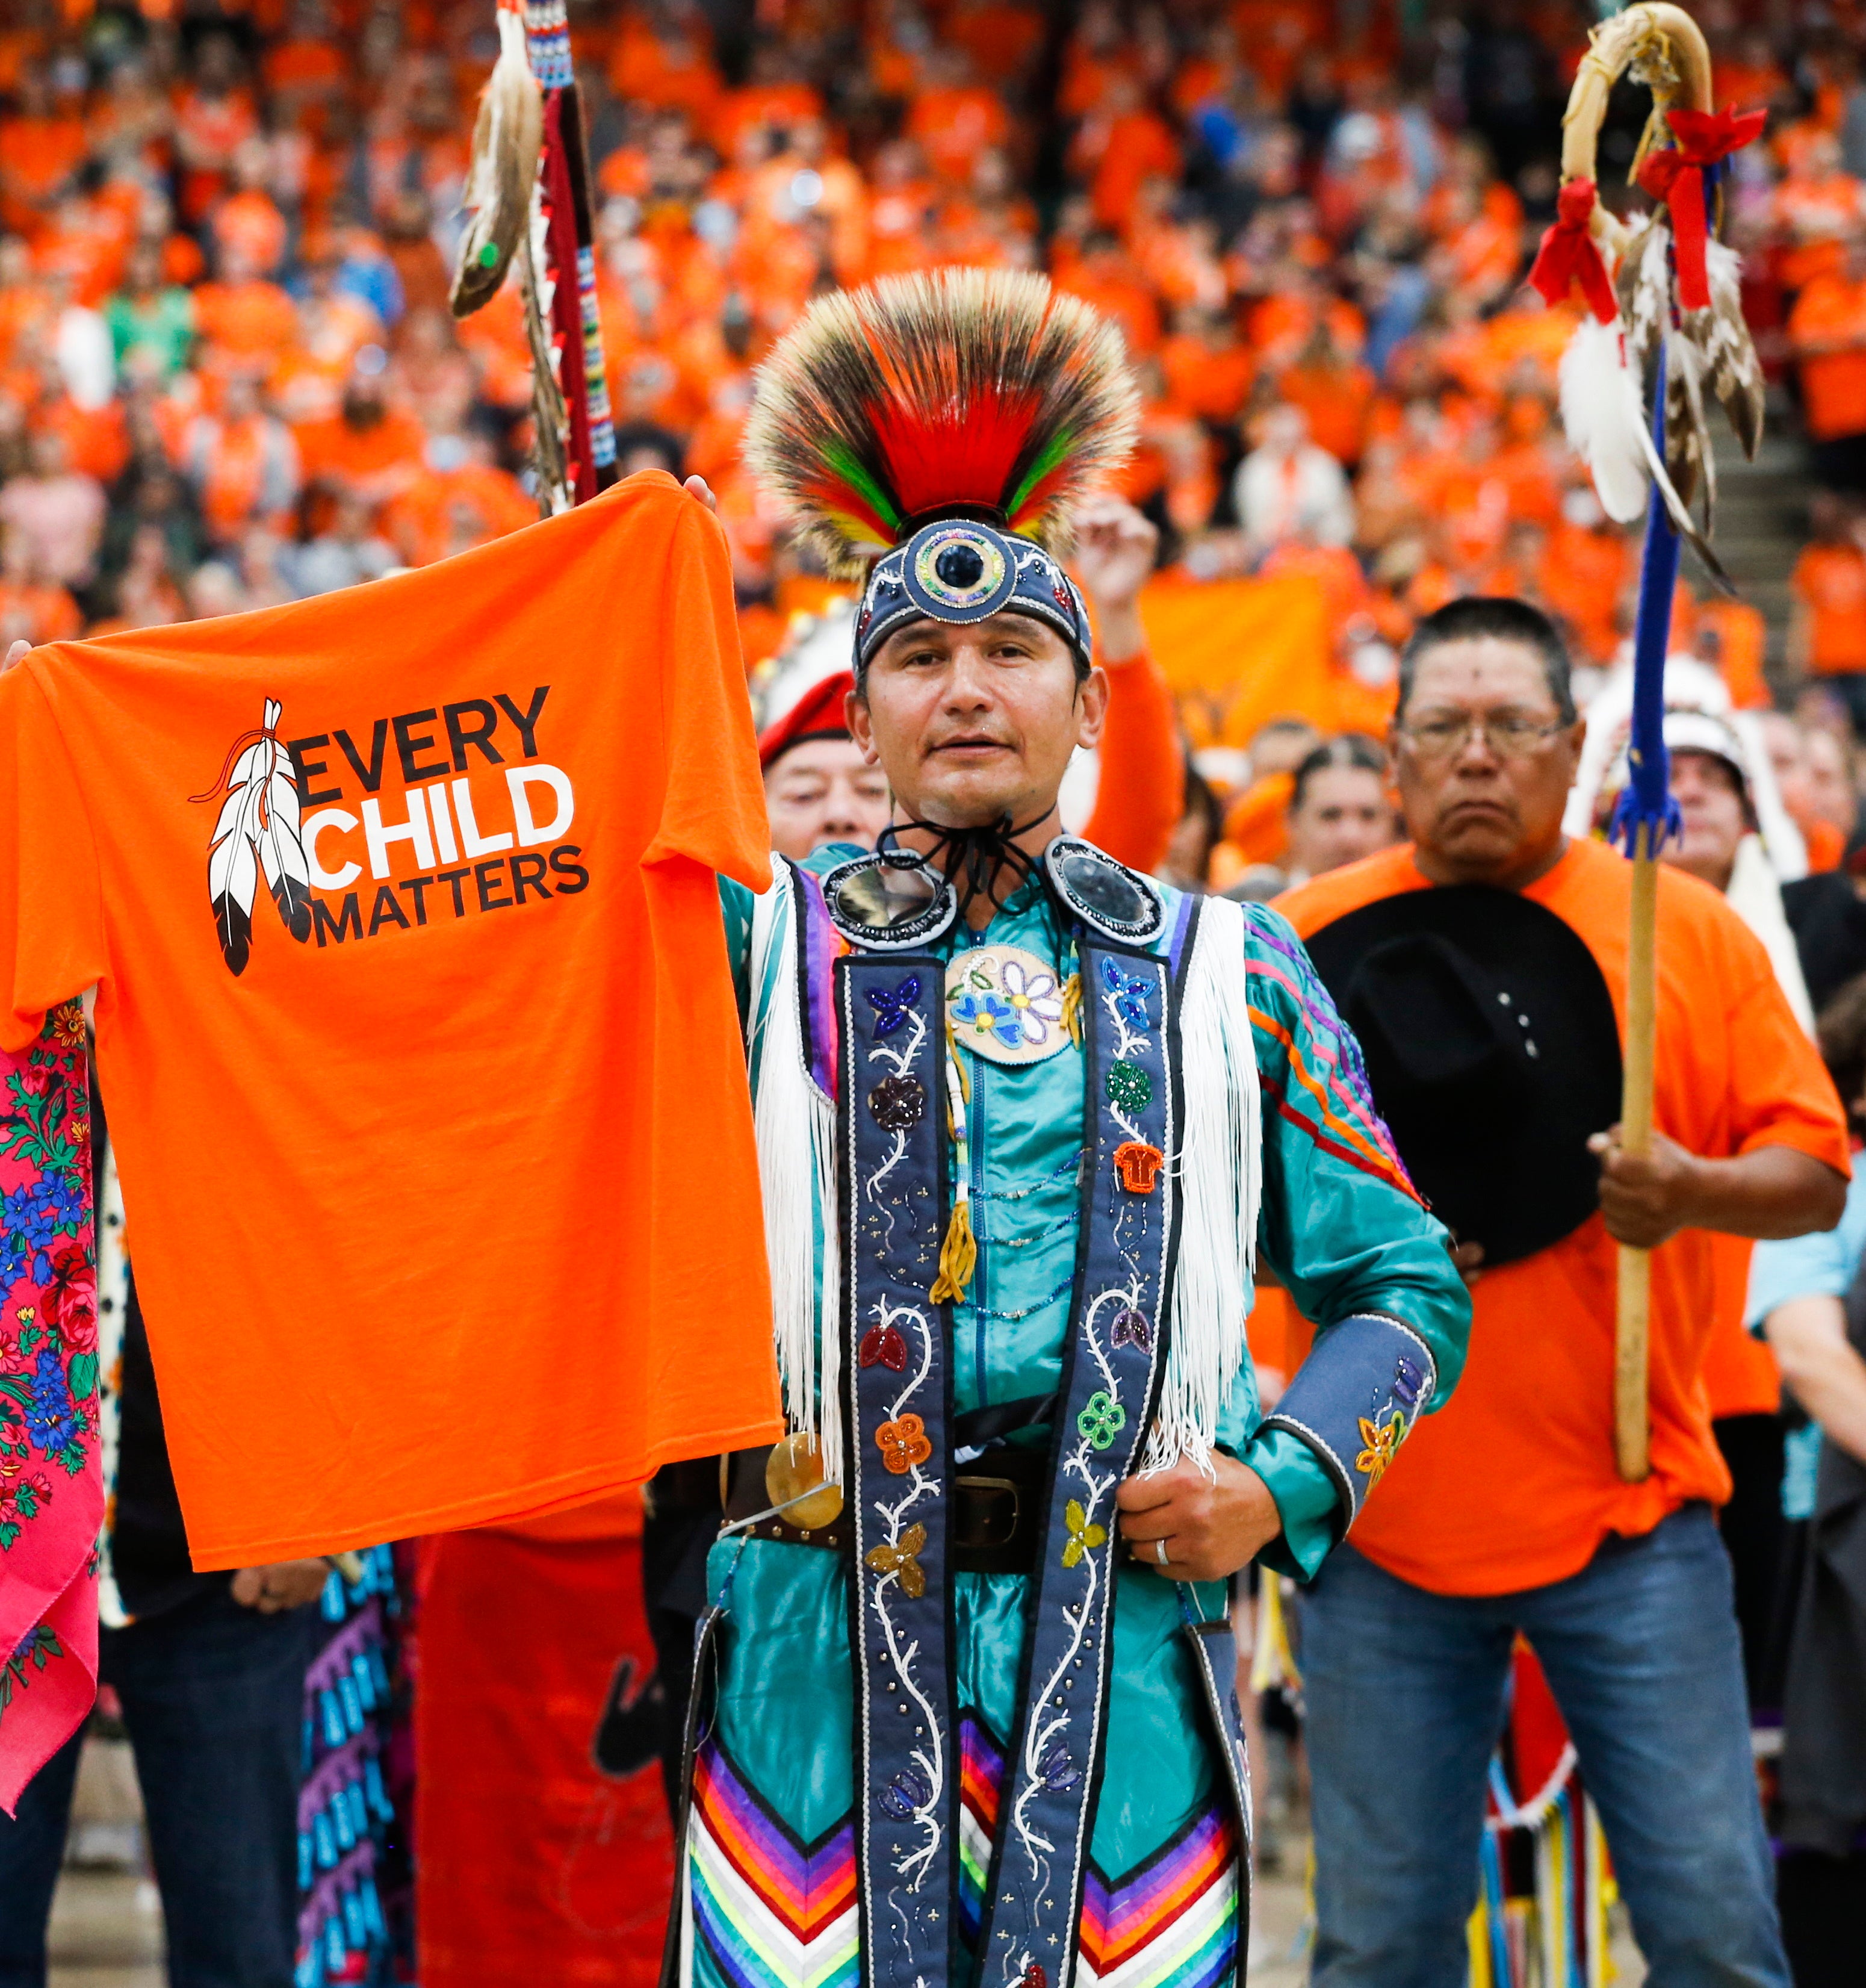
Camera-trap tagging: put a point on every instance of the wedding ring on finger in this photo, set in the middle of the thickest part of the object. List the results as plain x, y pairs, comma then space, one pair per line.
1159, 1551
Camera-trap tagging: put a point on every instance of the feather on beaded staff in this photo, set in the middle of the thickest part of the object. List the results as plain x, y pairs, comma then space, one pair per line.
507, 134
1672, 312
936, 395
527, 200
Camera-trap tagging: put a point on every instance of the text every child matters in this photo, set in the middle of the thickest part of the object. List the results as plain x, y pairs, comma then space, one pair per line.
461, 862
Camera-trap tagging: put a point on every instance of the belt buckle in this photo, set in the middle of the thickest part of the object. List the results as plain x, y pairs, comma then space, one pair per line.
988, 1515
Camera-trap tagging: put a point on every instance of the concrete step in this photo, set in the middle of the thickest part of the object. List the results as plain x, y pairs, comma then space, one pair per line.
1761, 522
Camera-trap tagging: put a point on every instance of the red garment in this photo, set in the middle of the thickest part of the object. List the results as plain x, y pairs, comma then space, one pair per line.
532, 1864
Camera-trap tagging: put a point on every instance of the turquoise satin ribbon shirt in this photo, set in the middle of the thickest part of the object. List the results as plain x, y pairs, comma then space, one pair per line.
1340, 1232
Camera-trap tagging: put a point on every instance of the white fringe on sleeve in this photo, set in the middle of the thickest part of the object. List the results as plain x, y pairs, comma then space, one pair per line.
1218, 1167
793, 1118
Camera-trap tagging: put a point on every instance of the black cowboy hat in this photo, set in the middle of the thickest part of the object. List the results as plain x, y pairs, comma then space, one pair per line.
1493, 1053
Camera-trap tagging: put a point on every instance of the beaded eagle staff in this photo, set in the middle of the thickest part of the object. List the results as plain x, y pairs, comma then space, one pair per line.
1664, 329
527, 197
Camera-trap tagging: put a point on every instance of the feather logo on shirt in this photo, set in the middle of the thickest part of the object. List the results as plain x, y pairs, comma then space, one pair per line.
256, 834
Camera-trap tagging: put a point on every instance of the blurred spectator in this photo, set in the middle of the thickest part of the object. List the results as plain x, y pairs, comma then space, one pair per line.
243, 317
1257, 821
1817, 208
458, 499
1788, 744
1827, 327
32, 607
1827, 640
1340, 807
1288, 488
1833, 785
1714, 814
422, 273
242, 462
151, 320
345, 552
367, 448
1187, 866
57, 512
81, 340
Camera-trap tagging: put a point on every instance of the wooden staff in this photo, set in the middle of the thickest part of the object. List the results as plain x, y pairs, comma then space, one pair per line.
1663, 47
1632, 1314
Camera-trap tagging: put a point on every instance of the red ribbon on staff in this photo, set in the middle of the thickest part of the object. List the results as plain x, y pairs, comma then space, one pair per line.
1568, 255
1676, 177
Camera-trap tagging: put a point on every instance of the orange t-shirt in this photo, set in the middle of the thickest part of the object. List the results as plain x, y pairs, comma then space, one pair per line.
1212, 382
953, 127
1740, 1375
333, 448
38, 155
1830, 581
249, 320
416, 1201
1832, 310
1511, 1483
1743, 637
447, 511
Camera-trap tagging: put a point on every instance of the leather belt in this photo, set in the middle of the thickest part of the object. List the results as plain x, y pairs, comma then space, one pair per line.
997, 1510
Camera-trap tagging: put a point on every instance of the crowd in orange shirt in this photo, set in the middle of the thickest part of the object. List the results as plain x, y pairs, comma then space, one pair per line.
228, 374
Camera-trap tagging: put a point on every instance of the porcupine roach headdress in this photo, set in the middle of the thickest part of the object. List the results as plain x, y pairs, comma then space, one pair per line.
945, 425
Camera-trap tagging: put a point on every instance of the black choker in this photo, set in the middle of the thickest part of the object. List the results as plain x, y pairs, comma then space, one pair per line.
972, 861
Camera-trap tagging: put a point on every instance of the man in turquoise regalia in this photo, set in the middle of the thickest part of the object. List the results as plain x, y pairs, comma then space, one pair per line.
964, 1710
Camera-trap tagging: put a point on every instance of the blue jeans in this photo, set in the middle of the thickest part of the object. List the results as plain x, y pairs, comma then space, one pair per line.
213, 1694
1404, 1691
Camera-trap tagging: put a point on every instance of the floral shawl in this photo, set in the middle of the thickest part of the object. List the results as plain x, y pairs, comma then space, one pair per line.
51, 1474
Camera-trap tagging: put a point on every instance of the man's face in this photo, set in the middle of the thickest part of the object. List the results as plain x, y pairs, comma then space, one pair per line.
823, 790
1345, 815
1788, 756
971, 724
1484, 761
1830, 784
1711, 810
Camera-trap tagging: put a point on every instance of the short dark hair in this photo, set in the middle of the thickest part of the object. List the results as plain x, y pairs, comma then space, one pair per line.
1351, 749
1475, 617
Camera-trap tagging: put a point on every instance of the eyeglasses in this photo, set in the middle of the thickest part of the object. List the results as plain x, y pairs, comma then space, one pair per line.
1510, 735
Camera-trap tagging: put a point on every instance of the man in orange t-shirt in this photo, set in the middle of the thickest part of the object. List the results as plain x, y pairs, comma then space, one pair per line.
1506, 1515
242, 317
1828, 329
1828, 633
